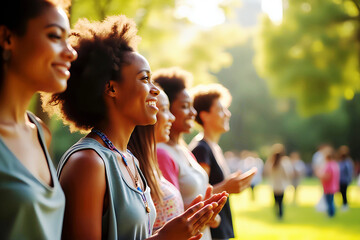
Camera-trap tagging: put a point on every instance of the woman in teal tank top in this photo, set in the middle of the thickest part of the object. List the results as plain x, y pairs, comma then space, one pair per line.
34, 56
110, 92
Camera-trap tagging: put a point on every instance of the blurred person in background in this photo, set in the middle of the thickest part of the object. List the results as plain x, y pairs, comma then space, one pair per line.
233, 160
211, 101
330, 178
317, 164
249, 160
346, 167
299, 171
279, 169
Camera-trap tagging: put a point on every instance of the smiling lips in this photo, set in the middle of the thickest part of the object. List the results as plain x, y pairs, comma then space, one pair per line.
62, 68
152, 104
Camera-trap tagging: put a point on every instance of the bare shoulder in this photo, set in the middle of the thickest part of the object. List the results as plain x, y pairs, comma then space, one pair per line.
85, 160
84, 166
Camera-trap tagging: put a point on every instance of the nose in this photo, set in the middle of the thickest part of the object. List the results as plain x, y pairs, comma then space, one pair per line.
193, 112
69, 53
171, 117
154, 90
227, 112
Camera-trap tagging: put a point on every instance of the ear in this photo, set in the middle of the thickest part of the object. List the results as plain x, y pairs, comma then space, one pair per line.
204, 115
5, 36
111, 88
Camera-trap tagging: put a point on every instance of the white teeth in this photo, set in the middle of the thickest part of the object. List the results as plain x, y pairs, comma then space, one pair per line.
152, 103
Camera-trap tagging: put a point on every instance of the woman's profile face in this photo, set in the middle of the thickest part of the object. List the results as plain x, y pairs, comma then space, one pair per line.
41, 58
184, 113
137, 96
164, 118
218, 117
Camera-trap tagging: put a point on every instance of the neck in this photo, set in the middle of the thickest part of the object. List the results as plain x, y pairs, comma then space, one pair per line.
117, 134
15, 98
211, 136
175, 138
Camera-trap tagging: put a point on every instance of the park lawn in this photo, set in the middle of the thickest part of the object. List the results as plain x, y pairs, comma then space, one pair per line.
257, 219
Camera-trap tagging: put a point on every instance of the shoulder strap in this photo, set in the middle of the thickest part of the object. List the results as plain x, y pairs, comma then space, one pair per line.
38, 126
78, 147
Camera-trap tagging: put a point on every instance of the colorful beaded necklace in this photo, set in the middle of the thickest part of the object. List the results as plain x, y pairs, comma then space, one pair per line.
135, 178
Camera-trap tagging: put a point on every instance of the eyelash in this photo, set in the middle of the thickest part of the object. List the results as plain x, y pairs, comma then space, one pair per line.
54, 36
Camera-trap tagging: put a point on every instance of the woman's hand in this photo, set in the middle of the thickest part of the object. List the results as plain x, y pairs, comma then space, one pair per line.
238, 181
219, 198
188, 224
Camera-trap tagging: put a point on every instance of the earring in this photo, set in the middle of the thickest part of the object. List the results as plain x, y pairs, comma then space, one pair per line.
6, 55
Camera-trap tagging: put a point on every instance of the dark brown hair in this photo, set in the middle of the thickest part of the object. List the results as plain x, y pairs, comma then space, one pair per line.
143, 145
205, 95
172, 81
102, 51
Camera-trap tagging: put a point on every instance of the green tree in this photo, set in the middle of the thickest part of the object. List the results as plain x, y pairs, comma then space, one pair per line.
313, 55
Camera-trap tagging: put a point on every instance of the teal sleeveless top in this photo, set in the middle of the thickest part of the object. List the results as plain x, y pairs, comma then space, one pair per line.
29, 209
126, 217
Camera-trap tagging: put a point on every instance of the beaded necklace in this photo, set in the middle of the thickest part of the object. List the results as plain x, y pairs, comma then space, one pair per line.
135, 178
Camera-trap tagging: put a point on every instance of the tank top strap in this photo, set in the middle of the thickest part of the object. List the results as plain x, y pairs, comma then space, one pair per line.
40, 131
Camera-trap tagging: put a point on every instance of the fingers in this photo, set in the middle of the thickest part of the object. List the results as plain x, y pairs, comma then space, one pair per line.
221, 204
209, 192
248, 174
215, 197
201, 218
197, 237
193, 209
196, 200
217, 209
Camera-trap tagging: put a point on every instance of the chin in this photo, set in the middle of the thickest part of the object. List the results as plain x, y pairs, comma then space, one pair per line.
58, 87
151, 121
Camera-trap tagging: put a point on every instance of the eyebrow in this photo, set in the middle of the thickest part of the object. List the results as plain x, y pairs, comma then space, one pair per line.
144, 70
55, 25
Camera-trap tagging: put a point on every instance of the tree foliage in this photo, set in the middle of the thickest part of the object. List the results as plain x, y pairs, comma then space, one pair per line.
313, 55
166, 41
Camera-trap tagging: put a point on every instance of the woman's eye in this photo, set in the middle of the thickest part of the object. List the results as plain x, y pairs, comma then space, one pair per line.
146, 78
54, 36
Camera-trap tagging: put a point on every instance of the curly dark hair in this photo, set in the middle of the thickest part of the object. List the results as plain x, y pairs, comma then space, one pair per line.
15, 14
172, 81
205, 95
102, 49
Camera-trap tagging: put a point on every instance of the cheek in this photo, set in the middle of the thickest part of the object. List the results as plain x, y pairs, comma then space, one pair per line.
160, 121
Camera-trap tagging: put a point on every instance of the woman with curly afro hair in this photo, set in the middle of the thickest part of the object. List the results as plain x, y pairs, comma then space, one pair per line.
34, 57
109, 93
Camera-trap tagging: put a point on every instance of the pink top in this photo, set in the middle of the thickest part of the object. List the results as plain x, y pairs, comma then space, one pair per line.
169, 169
172, 204
331, 177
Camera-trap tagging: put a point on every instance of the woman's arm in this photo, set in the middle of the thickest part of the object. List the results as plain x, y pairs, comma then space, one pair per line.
84, 184
189, 224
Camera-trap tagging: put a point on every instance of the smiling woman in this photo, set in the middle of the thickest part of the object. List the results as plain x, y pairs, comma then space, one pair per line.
110, 92
34, 56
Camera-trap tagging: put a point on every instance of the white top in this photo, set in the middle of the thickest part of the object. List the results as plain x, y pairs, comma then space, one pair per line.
281, 175
193, 180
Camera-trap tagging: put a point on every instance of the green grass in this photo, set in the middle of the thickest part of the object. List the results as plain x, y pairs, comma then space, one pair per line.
257, 219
